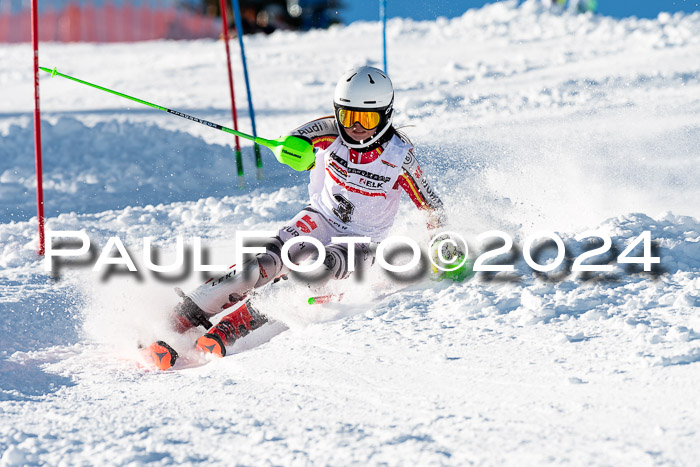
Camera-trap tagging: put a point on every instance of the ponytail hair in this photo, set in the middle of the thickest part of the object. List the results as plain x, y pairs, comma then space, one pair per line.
402, 136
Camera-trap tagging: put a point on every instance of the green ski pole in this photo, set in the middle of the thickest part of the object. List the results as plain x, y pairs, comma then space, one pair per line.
293, 151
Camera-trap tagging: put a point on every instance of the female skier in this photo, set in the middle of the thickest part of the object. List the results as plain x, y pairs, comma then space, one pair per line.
362, 164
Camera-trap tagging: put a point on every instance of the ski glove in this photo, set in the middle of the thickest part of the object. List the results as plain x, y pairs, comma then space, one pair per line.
447, 253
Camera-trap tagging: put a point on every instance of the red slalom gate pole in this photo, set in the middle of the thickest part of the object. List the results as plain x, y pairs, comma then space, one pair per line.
239, 158
37, 129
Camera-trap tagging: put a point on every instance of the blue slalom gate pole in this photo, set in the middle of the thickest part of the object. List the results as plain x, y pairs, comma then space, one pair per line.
239, 31
382, 18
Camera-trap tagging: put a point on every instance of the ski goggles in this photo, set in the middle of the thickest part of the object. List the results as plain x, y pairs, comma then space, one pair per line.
368, 119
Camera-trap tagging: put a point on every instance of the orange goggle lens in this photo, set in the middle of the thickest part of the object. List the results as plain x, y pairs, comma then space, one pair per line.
368, 120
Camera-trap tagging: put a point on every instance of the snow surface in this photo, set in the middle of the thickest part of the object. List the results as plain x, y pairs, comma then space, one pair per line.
524, 119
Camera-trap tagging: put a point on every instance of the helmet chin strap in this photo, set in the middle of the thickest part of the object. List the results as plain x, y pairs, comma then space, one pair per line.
351, 143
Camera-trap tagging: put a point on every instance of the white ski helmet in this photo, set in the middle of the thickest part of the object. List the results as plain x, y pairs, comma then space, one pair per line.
369, 91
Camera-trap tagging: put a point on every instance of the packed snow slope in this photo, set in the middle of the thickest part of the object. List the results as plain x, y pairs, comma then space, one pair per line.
523, 119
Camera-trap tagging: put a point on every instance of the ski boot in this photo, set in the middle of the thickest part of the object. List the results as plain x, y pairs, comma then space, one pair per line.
231, 327
188, 315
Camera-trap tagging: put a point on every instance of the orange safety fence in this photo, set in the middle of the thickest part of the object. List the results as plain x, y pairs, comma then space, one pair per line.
107, 23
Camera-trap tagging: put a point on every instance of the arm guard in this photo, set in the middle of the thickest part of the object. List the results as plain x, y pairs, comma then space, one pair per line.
321, 131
